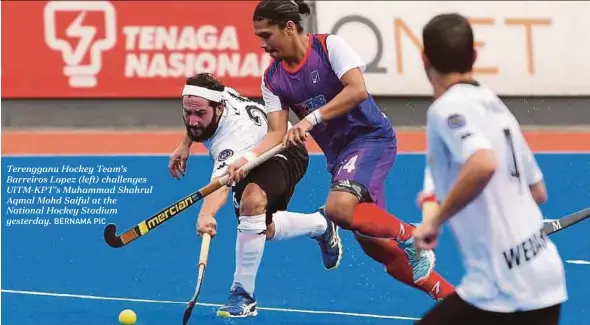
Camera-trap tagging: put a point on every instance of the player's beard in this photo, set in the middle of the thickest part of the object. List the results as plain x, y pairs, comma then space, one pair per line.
205, 133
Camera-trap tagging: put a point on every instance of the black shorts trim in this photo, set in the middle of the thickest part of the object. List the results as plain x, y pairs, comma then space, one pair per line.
353, 187
455, 311
277, 177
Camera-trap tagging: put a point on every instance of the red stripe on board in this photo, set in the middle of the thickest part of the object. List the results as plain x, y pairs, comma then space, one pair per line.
158, 142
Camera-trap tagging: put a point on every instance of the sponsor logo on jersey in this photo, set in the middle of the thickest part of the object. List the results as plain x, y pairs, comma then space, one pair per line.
456, 121
225, 154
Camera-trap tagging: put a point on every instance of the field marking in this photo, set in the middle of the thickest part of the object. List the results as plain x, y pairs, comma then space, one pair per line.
285, 310
579, 262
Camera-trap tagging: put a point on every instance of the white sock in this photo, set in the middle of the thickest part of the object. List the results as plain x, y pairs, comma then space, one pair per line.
292, 224
249, 249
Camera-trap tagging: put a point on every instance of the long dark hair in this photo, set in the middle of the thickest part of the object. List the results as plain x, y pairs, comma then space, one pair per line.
279, 12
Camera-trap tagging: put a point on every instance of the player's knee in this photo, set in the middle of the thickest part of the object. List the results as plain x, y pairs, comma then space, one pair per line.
253, 201
340, 208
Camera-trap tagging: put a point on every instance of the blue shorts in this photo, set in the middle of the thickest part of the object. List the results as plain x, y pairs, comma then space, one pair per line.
367, 164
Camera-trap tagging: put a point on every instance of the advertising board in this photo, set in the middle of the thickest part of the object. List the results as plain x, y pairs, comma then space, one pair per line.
524, 47
133, 49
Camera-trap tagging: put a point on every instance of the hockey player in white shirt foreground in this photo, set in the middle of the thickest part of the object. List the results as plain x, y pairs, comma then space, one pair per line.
230, 125
489, 185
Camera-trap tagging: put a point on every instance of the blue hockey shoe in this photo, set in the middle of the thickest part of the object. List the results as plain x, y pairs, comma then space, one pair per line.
330, 244
239, 304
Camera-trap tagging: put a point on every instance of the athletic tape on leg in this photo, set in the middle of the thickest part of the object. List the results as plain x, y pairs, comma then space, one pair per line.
249, 250
252, 224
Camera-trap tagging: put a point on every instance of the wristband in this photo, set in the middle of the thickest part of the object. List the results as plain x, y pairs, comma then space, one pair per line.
314, 117
429, 198
250, 156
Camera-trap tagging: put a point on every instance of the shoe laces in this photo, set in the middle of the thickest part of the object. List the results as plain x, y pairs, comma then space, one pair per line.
237, 296
330, 233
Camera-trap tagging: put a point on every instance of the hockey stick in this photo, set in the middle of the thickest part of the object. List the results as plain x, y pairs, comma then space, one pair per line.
202, 265
564, 222
142, 228
549, 228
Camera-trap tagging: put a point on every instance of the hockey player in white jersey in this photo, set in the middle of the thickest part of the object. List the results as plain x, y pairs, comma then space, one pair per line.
489, 186
230, 125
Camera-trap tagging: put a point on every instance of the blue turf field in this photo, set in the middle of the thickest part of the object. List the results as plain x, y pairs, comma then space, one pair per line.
42, 266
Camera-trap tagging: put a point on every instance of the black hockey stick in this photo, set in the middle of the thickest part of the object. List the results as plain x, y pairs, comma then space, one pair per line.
142, 228
564, 222
549, 228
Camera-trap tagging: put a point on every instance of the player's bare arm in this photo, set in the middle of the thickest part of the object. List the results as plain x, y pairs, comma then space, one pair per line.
211, 205
473, 178
177, 162
277, 128
539, 192
475, 175
354, 92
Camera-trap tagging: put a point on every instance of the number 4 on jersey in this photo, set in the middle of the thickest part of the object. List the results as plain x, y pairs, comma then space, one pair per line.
513, 165
349, 166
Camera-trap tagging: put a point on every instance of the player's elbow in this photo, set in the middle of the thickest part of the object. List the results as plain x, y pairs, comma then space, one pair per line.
540, 198
359, 93
276, 136
539, 192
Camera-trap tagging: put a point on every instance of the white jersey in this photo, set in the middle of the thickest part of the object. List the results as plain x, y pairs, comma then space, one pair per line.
242, 126
510, 264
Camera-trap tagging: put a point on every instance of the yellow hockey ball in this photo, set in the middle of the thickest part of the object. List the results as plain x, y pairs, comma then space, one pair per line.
127, 317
